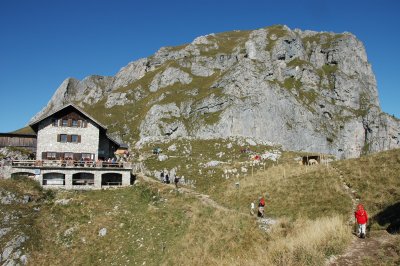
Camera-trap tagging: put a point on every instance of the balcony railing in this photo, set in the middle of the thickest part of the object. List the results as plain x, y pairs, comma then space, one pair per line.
69, 164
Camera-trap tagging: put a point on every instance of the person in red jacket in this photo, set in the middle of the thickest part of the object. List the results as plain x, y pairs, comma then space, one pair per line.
362, 219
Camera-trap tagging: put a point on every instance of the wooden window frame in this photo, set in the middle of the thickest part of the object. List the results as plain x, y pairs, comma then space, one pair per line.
48, 157
75, 138
86, 156
61, 138
68, 155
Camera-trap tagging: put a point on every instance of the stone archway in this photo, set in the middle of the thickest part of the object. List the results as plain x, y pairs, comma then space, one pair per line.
50, 179
22, 174
111, 179
83, 179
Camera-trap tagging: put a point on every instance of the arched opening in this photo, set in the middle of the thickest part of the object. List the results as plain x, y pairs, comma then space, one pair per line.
53, 179
22, 174
83, 179
111, 179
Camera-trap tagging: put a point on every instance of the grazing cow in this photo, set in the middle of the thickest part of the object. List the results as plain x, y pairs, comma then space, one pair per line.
312, 162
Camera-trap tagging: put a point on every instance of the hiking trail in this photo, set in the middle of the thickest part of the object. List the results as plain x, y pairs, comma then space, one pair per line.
205, 199
369, 249
264, 223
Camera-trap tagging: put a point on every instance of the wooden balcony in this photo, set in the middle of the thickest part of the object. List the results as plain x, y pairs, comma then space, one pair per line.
69, 164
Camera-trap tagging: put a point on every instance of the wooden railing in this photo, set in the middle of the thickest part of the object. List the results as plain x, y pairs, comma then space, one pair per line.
69, 164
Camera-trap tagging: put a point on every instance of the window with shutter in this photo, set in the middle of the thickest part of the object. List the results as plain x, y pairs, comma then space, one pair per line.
63, 138
74, 138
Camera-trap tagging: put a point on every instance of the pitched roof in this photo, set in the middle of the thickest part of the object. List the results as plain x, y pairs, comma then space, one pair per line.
34, 124
11, 134
115, 141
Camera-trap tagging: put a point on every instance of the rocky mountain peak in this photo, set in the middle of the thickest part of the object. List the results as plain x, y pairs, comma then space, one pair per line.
304, 90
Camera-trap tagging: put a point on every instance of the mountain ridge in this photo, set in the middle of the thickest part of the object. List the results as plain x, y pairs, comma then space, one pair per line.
304, 90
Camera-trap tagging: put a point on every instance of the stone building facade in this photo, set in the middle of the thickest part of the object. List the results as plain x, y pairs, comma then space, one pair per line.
70, 133
72, 149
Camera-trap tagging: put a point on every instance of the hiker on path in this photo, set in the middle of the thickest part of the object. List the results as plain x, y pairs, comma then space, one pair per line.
252, 208
162, 177
176, 180
362, 219
261, 205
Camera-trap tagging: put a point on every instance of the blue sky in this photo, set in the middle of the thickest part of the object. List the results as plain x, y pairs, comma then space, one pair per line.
44, 42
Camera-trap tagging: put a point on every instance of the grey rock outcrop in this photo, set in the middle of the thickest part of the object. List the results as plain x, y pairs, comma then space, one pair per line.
117, 98
12, 254
304, 90
169, 77
132, 72
7, 198
90, 90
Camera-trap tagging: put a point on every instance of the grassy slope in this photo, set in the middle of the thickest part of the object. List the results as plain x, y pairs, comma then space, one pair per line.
156, 225
24, 213
25, 130
376, 178
153, 223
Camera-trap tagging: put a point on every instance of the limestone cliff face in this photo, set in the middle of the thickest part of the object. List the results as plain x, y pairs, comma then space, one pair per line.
304, 90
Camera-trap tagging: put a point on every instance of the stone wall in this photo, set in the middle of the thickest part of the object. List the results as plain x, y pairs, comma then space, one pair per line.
126, 175
47, 139
68, 173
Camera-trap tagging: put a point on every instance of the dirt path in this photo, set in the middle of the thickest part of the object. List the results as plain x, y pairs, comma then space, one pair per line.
205, 199
378, 248
351, 193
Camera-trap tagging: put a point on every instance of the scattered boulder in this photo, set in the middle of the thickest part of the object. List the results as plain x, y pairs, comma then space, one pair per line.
102, 232
212, 163
162, 157
172, 147
62, 201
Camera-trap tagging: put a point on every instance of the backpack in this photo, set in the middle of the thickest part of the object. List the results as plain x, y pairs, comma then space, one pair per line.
262, 202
